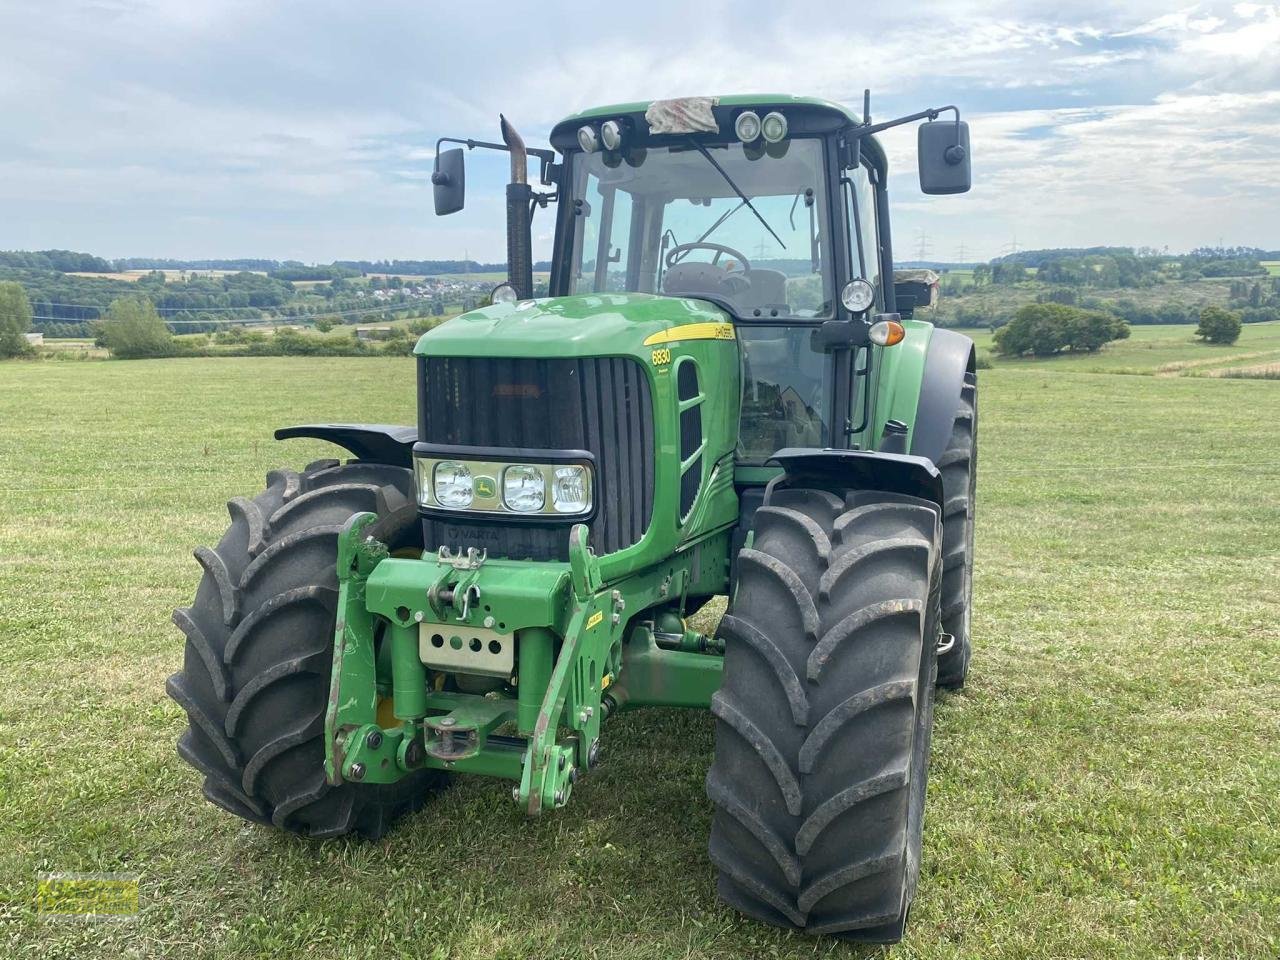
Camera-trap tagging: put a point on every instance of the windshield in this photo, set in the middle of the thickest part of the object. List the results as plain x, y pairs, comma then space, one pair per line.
743, 225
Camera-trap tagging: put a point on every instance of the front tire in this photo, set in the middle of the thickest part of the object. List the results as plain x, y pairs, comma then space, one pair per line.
825, 713
259, 651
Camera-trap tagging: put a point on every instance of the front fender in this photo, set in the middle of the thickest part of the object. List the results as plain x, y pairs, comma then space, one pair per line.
902, 473
374, 442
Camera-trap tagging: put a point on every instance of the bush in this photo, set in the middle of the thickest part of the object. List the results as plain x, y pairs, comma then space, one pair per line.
133, 330
1218, 325
1043, 329
15, 319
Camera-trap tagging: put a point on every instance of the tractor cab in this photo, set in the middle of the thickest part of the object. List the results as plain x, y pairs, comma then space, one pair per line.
772, 208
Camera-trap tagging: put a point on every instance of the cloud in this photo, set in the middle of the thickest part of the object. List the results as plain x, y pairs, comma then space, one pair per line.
306, 128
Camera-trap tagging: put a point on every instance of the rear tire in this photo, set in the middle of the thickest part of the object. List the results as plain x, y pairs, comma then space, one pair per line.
255, 675
824, 717
959, 468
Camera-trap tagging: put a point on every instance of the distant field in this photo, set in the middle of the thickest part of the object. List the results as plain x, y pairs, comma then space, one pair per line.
1164, 350
1104, 788
1273, 267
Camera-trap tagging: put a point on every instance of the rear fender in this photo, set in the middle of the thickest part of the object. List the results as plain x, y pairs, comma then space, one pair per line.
374, 442
950, 357
918, 383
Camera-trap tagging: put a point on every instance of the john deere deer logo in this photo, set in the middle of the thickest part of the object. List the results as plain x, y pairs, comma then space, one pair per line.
486, 487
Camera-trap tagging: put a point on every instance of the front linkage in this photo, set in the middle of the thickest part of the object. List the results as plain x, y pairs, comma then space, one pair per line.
403, 621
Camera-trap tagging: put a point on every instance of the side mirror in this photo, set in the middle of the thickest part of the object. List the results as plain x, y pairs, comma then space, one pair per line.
449, 181
943, 154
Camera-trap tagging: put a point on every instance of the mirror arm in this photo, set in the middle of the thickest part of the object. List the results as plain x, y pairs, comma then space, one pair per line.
546, 156
548, 169
930, 114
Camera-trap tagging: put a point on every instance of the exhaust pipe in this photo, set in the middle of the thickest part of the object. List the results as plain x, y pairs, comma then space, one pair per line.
519, 202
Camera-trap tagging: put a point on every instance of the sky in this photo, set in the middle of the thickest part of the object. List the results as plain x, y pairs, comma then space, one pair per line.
306, 130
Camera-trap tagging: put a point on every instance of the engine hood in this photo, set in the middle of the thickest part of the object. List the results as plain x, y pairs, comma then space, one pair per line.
587, 325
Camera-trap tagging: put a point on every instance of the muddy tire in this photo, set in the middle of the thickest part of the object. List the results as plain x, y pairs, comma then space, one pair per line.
824, 717
959, 468
255, 673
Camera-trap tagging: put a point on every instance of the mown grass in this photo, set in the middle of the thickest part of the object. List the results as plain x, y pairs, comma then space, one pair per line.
1105, 787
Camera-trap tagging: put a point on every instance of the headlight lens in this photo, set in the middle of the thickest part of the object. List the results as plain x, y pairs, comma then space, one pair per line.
747, 126
453, 484
857, 295
523, 488
569, 491
773, 127
611, 134
587, 139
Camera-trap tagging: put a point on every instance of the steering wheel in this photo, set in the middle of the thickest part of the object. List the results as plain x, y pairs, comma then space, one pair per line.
675, 253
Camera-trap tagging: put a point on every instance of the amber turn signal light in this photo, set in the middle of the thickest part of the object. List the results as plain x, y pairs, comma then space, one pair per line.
886, 333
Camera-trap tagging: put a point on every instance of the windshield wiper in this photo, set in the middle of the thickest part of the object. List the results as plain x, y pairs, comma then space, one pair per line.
741, 196
706, 233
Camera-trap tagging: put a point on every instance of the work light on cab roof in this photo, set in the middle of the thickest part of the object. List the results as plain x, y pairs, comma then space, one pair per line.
723, 388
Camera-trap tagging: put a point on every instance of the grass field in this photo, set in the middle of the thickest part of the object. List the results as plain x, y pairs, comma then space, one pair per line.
1105, 787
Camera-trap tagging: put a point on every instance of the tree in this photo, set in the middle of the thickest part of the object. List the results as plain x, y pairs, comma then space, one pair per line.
133, 330
1043, 329
1008, 272
324, 324
1218, 325
15, 319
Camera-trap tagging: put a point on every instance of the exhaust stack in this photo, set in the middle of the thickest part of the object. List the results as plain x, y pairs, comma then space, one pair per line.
519, 204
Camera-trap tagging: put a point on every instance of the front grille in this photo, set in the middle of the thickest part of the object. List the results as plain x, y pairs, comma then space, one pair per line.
598, 404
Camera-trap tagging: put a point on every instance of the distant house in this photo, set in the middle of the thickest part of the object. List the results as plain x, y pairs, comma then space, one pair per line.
35, 339
373, 333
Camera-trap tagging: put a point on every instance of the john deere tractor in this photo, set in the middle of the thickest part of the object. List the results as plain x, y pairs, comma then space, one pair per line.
723, 393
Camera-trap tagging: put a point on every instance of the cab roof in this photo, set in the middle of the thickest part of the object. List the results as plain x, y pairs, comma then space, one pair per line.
734, 100
805, 115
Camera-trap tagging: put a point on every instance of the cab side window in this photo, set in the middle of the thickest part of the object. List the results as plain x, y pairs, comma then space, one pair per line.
864, 239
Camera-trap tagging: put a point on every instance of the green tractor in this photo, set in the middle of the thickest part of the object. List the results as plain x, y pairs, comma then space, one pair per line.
725, 393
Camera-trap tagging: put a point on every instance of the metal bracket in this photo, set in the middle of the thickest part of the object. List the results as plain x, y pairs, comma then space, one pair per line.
462, 732
584, 568
353, 694
473, 559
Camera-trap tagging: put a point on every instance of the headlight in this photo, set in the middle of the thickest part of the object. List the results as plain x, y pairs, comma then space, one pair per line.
857, 295
550, 491
611, 134
452, 484
571, 491
747, 126
773, 127
524, 489
587, 139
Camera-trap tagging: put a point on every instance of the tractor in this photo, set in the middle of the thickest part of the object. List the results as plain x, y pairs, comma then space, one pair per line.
724, 393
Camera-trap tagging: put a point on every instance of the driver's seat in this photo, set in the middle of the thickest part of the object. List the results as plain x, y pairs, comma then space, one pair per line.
691, 279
